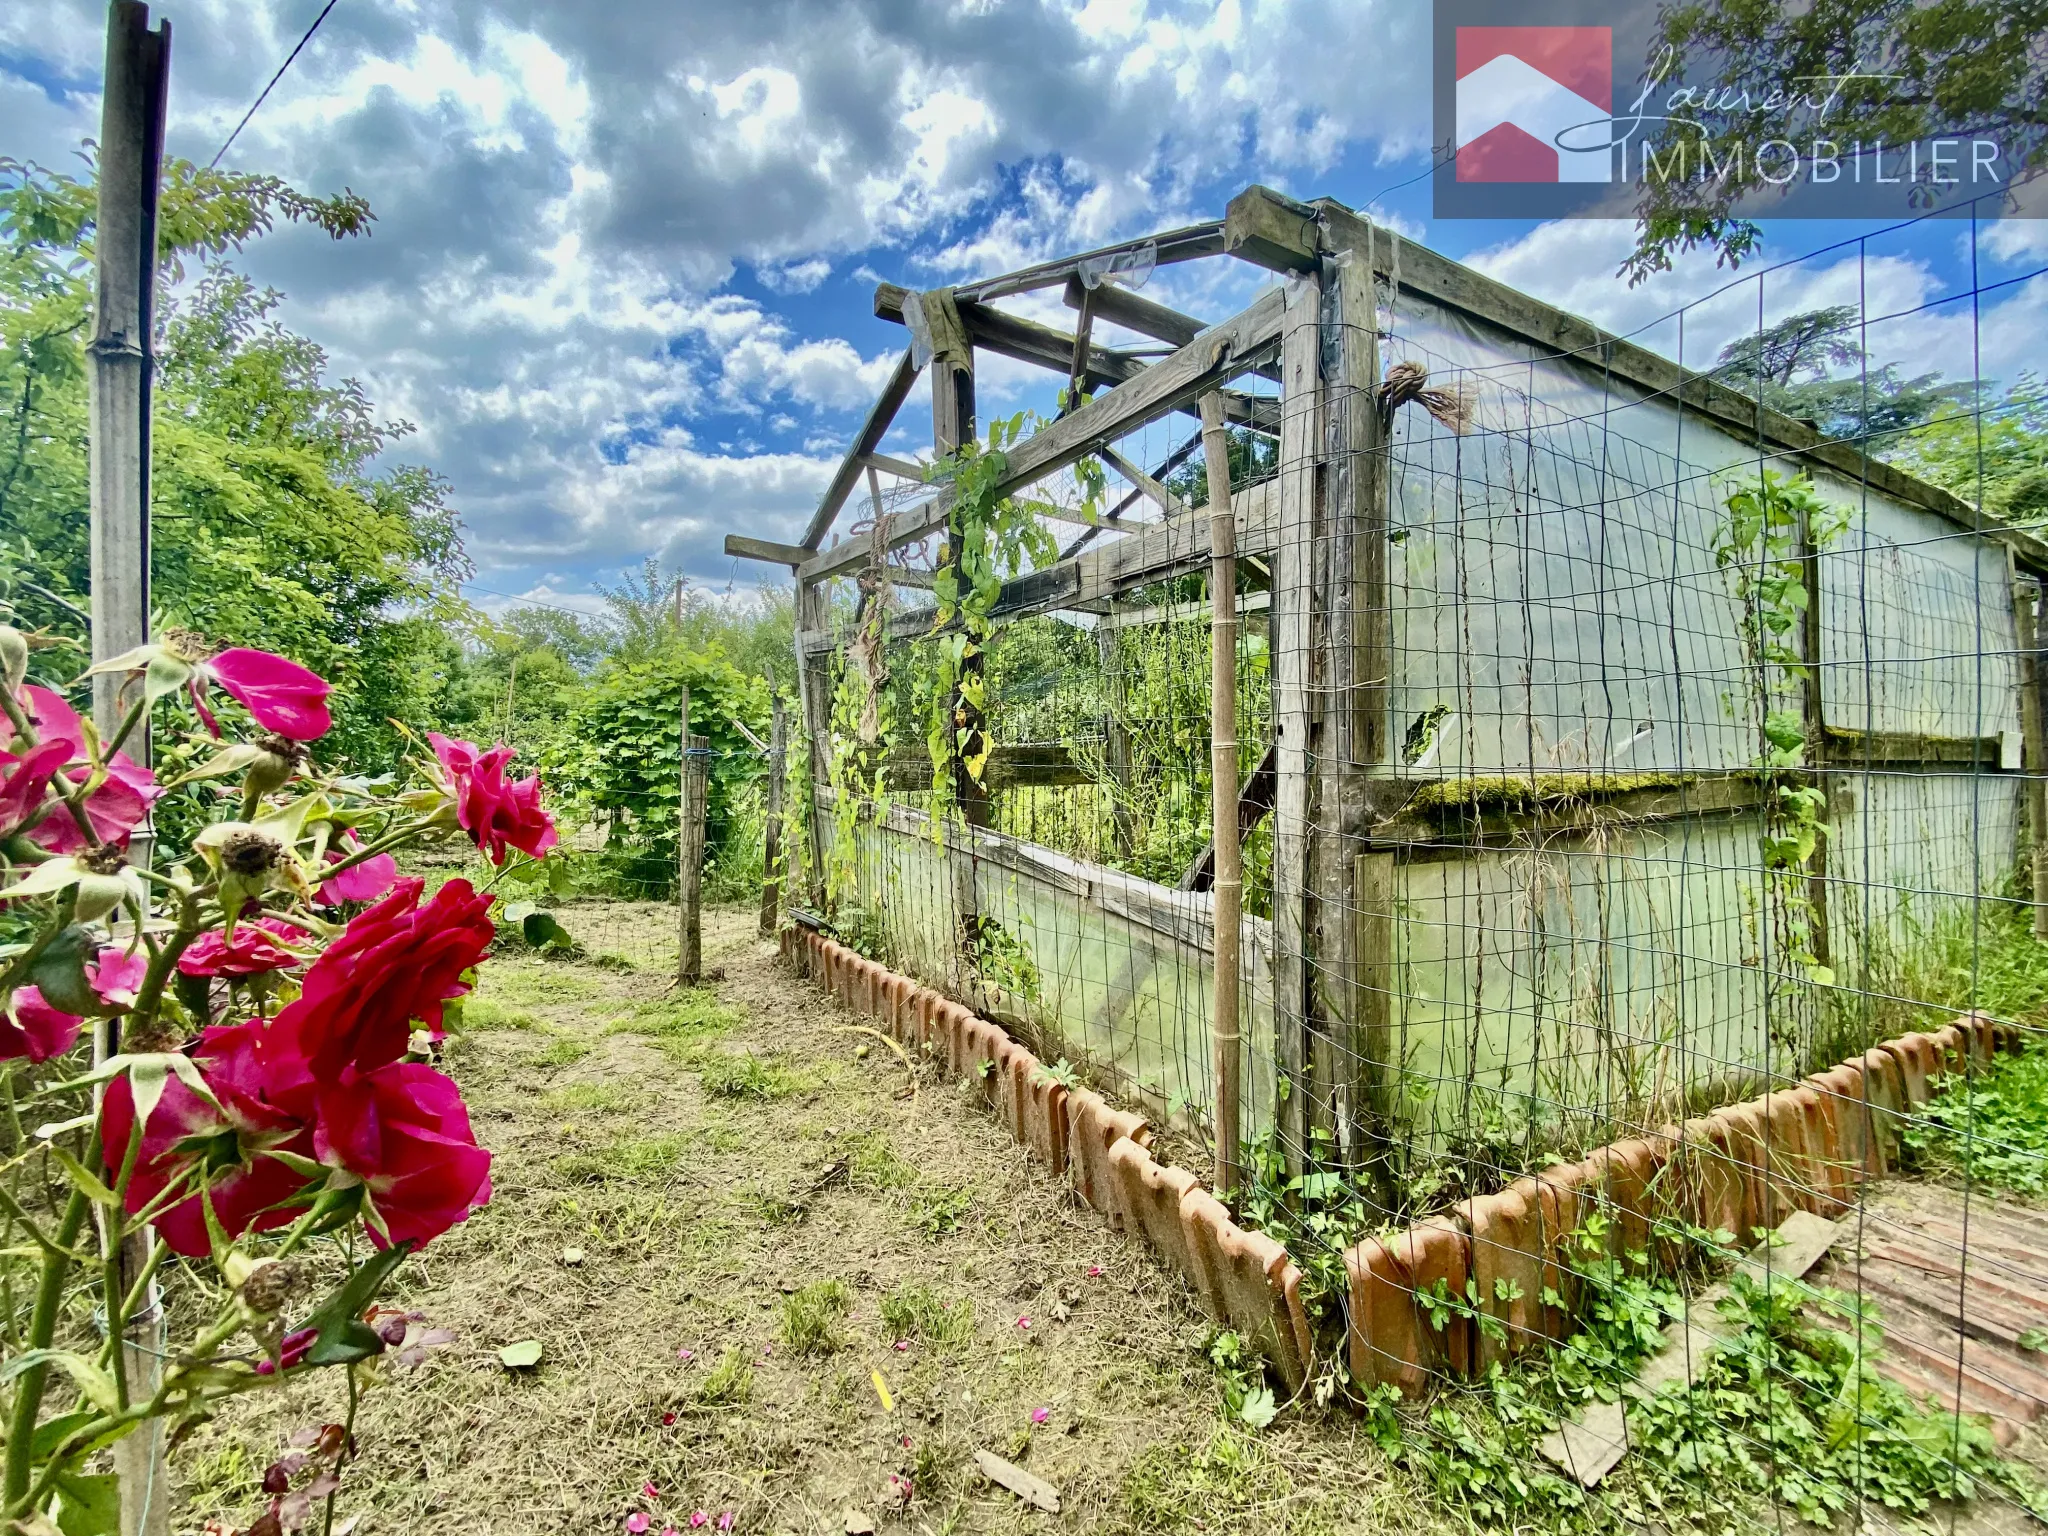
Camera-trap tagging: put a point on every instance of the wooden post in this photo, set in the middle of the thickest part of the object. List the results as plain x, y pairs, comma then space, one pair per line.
131, 154
952, 426
771, 836
690, 852
1300, 444
1229, 886
1813, 713
814, 703
2026, 594
1353, 1065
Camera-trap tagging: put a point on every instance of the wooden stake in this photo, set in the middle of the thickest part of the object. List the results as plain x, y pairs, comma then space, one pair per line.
690, 854
131, 155
2034, 757
771, 840
1229, 887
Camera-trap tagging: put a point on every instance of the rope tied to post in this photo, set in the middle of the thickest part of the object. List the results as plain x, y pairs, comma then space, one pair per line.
1408, 384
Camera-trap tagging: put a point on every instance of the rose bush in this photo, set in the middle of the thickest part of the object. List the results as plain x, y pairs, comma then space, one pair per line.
259, 1102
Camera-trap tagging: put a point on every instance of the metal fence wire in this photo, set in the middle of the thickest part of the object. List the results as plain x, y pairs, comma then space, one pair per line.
1639, 805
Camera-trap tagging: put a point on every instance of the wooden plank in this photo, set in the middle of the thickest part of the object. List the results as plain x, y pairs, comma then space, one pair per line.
1457, 831
880, 417
902, 469
1192, 612
742, 547
1444, 281
1269, 230
1168, 503
1293, 589
1169, 384
1254, 803
1187, 243
1594, 1445
1029, 1487
1904, 749
1009, 767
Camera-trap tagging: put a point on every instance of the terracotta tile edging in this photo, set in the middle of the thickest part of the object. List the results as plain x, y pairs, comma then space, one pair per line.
1245, 1279
1809, 1146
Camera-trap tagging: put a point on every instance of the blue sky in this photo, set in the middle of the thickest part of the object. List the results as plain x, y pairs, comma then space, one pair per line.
622, 269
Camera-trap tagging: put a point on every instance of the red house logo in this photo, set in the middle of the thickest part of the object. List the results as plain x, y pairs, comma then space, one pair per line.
1522, 88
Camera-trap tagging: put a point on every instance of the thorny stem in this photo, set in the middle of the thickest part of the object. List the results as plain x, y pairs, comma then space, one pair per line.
67, 906
348, 1440
28, 1397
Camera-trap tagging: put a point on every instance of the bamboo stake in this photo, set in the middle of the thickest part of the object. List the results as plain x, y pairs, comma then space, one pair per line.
771, 838
689, 857
1229, 887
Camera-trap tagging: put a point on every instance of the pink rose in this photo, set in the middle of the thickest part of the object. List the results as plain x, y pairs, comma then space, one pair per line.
256, 947
280, 695
492, 809
404, 1131
366, 881
115, 809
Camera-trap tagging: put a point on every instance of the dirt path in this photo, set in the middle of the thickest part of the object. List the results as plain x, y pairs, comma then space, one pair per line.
722, 1215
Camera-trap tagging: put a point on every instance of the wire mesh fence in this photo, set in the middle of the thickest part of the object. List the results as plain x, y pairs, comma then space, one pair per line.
1634, 786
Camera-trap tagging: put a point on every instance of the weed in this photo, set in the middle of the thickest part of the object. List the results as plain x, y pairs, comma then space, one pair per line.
583, 1098
680, 1025
624, 1162
747, 1076
1246, 1397
1988, 1126
608, 961
564, 1052
1231, 1483
937, 1209
772, 1207
810, 1317
914, 1311
729, 1382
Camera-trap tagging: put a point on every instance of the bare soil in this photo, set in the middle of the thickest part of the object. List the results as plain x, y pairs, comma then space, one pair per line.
678, 1179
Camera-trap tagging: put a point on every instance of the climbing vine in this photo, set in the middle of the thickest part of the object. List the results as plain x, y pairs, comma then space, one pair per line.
989, 538
1775, 528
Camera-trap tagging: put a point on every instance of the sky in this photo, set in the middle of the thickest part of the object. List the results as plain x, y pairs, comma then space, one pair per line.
621, 274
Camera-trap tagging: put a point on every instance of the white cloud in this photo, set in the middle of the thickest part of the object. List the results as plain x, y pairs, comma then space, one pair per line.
796, 276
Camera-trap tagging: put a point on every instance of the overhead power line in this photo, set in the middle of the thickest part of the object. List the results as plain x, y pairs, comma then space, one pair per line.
287, 64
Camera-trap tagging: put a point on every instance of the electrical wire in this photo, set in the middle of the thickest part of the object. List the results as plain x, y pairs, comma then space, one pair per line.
258, 102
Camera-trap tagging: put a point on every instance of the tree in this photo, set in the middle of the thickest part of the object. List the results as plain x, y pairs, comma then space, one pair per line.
1790, 367
1920, 68
275, 524
2000, 458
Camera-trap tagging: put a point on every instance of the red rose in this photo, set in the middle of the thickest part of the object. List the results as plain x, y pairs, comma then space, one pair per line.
28, 782
187, 1139
255, 948
115, 809
493, 810
281, 695
404, 1131
392, 964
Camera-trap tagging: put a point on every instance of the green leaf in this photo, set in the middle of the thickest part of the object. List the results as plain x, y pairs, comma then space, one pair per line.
541, 930
1258, 1408
521, 1356
343, 1336
59, 971
88, 1504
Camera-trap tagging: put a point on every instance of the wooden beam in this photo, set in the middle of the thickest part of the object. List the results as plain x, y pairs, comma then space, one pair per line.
1173, 245
1271, 231
1026, 341
1168, 384
1195, 612
741, 547
1145, 316
1033, 765
1254, 804
880, 417
1168, 503
902, 469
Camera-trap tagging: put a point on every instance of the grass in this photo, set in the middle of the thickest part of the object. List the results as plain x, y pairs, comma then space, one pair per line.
1230, 1483
809, 1324
564, 1052
913, 1311
728, 1383
679, 1026
585, 1098
637, 1161
873, 1165
483, 1014
747, 1076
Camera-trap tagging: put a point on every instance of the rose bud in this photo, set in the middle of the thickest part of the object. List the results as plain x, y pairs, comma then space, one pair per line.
248, 852
269, 1286
13, 655
277, 759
